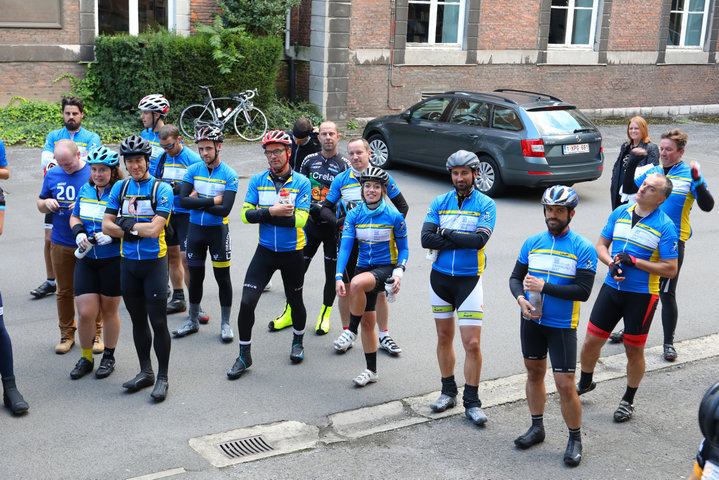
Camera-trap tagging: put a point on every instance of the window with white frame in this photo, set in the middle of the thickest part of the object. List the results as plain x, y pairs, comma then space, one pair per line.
435, 21
132, 16
687, 23
572, 22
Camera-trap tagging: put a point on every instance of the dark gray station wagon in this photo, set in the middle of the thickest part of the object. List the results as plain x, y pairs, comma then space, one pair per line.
521, 138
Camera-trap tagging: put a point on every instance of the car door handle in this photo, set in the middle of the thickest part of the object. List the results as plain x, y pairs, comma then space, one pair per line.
430, 130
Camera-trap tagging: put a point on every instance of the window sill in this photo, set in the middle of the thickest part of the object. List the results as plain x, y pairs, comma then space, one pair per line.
422, 54
571, 56
685, 56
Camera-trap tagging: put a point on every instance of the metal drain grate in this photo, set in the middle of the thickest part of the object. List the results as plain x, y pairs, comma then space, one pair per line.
244, 447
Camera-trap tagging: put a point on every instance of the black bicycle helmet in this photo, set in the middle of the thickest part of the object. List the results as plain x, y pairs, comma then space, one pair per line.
462, 158
135, 146
709, 415
560, 195
374, 174
211, 131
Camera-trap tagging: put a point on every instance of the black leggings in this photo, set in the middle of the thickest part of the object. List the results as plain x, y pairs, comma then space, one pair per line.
6, 366
667, 294
144, 290
327, 236
264, 263
224, 283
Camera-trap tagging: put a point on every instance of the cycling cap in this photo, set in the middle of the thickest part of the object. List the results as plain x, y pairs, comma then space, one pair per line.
560, 195
103, 156
134, 146
709, 415
155, 103
462, 158
374, 174
210, 131
277, 136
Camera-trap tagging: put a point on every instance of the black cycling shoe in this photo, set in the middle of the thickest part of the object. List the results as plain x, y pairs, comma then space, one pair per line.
532, 436
617, 337
82, 368
176, 305
12, 398
141, 380
573, 453
297, 354
443, 403
582, 391
107, 366
159, 393
44, 290
243, 362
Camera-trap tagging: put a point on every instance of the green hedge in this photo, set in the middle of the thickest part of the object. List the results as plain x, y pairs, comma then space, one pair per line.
129, 67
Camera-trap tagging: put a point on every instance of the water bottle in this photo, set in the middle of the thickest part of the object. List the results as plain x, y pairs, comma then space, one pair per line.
388, 284
285, 197
227, 112
81, 252
432, 255
218, 112
535, 299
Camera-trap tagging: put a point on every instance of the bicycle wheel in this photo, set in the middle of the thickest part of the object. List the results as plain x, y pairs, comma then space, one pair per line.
191, 115
256, 127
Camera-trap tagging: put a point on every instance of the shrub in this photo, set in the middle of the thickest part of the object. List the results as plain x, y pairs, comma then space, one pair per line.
281, 114
266, 17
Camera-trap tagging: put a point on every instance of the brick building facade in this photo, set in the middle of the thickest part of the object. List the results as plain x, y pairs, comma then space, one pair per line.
362, 58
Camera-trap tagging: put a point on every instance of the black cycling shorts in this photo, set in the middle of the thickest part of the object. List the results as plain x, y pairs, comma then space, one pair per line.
611, 305
560, 342
216, 238
179, 223
144, 278
48, 221
461, 293
380, 274
100, 276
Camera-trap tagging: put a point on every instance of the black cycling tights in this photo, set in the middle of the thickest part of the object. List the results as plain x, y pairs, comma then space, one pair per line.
224, 283
325, 235
668, 296
6, 366
263, 265
144, 290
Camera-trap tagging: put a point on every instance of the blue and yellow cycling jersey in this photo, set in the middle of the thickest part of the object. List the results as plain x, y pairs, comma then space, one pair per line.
654, 237
556, 260
90, 209
262, 193
478, 211
209, 183
157, 151
174, 170
680, 202
137, 205
84, 139
64, 188
3, 159
380, 233
346, 187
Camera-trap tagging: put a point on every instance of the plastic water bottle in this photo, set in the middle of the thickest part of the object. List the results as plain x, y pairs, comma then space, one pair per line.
218, 112
81, 252
535, 299
285, 197
388, 284
227, 112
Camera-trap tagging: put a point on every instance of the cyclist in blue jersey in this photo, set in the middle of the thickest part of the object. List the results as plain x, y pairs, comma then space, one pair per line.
4, 169
97, 274
320, 168
688, 184
59, 193
706, 466
12, 398
559, 265
137, 212
208, 190
644, 248
171, 168
383, 252
457, 227
279, 201
153, 109
73, 111
345, 194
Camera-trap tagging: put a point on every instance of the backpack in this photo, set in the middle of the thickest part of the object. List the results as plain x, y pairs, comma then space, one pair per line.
153, 201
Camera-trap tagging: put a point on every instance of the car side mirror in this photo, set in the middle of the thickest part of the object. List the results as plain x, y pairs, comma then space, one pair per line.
405, 115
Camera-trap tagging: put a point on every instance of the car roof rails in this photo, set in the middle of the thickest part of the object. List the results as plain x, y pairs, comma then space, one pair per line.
551, 97
486, 94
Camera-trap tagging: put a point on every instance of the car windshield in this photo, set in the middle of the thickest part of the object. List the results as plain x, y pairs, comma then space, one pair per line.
559, 121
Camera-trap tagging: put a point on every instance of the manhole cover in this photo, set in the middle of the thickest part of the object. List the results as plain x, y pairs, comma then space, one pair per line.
244, 447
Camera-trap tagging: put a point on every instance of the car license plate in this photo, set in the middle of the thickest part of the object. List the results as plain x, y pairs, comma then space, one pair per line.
578, 148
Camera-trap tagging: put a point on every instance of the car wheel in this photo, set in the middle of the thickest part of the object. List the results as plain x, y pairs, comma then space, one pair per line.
379, 151
489, 180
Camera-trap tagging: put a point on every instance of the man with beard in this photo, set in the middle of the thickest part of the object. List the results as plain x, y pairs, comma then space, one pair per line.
457, 228
320, 168
73, 111
559, 265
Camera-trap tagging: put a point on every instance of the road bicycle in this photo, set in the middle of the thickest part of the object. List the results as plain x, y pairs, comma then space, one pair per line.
249, 121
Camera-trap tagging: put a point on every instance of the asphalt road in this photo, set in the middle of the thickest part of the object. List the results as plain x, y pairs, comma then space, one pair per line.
93, 429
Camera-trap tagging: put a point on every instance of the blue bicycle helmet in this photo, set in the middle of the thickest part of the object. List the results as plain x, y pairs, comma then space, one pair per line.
560, 195
103, 156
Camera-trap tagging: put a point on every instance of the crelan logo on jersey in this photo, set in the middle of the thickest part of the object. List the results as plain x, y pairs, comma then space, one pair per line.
163, 201
589, 265
675, 247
